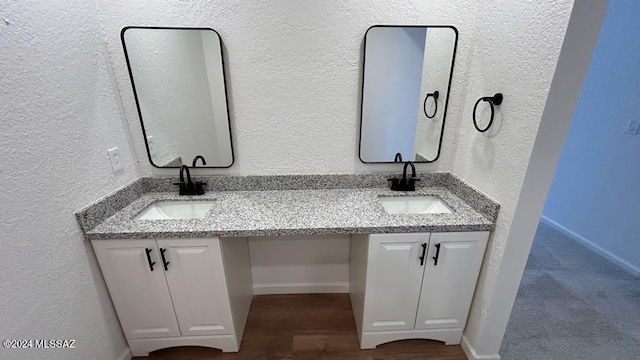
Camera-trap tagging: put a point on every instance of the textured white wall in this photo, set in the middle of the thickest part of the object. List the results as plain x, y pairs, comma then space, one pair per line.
580, 39
307, 58
293, 71
59, 115
300, 262
595, 190
518, 46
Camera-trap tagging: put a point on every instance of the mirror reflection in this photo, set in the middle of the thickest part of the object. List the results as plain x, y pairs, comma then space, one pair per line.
405, 91
178, 81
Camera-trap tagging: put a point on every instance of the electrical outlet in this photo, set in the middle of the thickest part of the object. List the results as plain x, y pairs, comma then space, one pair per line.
114, 156
152, 144
632, 127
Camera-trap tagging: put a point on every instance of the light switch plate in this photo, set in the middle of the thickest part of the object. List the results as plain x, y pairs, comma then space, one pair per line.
152, 144
632, 127
114, 156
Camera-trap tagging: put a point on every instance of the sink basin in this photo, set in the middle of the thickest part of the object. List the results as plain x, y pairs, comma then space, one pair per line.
163, 210
414, 205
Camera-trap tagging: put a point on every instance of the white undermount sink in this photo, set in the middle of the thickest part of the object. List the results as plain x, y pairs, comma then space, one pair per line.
414, 205
163, 210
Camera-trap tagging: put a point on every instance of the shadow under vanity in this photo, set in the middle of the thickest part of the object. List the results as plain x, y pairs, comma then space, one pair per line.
188, 282
182, 260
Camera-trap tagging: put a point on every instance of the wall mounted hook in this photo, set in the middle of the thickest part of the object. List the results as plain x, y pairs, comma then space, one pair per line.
492, 100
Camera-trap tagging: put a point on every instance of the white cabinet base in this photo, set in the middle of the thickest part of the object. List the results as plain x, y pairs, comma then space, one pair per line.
142, 347
371, 339
202, 292
414, 286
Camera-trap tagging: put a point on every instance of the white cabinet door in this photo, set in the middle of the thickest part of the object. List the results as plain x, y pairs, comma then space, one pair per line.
140, 295
196, 278
394, 276
449, 282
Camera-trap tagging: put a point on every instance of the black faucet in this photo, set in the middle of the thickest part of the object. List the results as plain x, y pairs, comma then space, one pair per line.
398, 158
195, 160
405, 184
189, 188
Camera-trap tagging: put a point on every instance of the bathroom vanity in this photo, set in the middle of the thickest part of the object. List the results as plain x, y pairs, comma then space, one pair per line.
178, 268
178, 292
414, 285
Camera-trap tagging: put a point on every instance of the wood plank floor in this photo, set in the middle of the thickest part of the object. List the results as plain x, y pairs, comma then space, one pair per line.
309, 326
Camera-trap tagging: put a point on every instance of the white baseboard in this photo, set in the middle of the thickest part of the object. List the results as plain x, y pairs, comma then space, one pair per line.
301, 288
613, 258
472, 354
125, 354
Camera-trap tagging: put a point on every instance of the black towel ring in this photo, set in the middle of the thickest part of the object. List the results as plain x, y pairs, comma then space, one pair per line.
435, 95
492, 100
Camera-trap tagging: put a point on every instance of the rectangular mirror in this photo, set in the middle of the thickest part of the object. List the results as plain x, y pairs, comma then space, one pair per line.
179, 86
405, 91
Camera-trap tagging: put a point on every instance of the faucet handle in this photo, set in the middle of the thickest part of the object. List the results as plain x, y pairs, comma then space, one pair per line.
411, 184
395, 183
182, 184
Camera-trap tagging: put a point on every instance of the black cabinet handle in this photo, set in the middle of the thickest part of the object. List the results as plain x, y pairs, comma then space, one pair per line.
151, 263
435, 258
424, 253
164, 261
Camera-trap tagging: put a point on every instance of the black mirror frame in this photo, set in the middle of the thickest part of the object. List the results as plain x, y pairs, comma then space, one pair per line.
446, 104
135, 93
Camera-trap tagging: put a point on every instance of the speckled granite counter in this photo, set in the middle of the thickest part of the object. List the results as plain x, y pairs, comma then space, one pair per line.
295, 211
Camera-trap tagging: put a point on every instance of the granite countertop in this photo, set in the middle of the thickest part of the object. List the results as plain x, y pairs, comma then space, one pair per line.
291, 212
